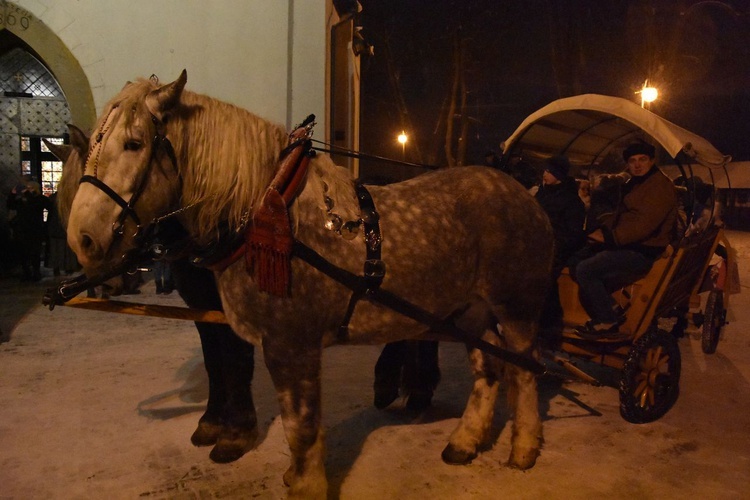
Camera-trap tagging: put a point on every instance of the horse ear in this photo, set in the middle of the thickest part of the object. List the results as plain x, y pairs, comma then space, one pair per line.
79, 140
160, 101
61, 151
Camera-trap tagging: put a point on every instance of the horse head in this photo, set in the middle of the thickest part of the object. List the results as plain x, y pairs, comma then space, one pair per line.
129, 174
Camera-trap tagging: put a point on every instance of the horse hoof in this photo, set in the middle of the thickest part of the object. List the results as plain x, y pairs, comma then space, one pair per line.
454, 456
206, 433
384, 396
232, 443
524, 461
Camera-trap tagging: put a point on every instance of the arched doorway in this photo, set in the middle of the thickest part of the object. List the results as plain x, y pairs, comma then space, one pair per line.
32, 108
42, 89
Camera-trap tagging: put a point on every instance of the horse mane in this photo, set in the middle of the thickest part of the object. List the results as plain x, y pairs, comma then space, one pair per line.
226, 156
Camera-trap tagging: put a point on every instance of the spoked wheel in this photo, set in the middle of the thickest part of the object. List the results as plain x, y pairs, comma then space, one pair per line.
715, 316
650, 378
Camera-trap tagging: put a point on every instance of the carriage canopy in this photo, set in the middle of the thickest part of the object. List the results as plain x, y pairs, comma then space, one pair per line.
586, 128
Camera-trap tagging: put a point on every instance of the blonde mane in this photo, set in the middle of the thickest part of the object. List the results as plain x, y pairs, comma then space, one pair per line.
226, 155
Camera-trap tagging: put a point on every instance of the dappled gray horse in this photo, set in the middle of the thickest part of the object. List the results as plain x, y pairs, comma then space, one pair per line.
466, 244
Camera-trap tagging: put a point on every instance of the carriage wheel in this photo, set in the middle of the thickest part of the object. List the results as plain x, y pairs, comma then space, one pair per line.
649, 385
714, 320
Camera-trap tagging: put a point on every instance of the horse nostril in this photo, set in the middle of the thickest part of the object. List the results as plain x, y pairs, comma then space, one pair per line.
89, 247
86, 242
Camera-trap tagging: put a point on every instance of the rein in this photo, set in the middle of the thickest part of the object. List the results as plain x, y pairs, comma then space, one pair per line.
336, 150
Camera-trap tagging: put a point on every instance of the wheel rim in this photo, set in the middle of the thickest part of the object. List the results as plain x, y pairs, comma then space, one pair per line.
649, 384
654, 367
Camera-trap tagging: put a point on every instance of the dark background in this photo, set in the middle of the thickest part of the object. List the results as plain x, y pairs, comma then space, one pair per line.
519, 55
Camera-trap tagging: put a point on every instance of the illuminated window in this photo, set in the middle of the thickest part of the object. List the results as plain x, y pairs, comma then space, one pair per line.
50, 168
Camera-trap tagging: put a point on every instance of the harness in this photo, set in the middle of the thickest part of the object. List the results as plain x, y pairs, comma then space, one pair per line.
268, 245
128, 207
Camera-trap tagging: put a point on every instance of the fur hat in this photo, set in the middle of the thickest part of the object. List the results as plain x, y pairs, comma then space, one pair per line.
639, 148
558, 166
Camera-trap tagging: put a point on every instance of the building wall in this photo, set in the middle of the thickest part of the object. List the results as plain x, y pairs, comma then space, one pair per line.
265, 55
268, 56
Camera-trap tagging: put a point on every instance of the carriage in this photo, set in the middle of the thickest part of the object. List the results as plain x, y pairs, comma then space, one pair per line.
591, 131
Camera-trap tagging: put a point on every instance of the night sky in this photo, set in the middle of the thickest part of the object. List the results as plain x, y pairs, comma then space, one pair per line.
522, 54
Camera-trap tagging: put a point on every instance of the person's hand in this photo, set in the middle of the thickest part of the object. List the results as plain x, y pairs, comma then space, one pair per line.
596, 236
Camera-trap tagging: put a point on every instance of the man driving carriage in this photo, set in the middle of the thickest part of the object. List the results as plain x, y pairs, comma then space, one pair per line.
627, 241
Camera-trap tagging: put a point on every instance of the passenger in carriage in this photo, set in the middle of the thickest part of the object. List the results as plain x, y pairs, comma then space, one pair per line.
697, 206
558, 196
627, 242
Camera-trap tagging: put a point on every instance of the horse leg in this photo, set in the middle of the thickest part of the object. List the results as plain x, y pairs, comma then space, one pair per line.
421, 373
295, 371
229, 421
388, 373
473, 430
523, 398
211, 422
239, 430
411, 364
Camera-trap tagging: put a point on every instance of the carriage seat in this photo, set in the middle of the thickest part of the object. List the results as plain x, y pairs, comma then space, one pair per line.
632, 297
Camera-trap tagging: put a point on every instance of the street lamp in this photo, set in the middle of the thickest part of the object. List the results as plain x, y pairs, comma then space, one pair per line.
648, 94
402, 138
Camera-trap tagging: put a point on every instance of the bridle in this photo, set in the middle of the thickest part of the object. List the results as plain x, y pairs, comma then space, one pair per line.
159, 141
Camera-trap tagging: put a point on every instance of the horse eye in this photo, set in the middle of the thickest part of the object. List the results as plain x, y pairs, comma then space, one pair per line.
133, 146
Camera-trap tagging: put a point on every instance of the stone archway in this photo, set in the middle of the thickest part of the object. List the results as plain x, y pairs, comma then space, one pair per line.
56, 56
17, 24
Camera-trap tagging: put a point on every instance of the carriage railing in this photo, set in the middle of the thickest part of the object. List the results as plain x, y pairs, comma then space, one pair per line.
691, 268
670, 283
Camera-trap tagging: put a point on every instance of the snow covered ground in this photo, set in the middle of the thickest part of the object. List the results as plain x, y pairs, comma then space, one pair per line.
102, 405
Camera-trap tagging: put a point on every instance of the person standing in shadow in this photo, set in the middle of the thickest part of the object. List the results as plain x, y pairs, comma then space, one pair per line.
29, 204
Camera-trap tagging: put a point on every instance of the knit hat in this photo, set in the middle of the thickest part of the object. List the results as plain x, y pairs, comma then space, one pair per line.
639, 148
558, 166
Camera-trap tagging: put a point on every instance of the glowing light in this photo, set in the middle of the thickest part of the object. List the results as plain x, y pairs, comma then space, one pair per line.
648, 94
402, 138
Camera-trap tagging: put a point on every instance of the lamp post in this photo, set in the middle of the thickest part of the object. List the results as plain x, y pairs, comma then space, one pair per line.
402, 138
648, 94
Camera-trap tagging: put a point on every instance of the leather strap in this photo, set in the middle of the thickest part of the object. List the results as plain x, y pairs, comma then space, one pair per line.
402, 306
374, 267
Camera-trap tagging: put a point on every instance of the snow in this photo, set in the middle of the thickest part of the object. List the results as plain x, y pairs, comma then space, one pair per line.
102, 405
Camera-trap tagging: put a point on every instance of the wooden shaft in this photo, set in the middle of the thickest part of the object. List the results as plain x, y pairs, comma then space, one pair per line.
138, 309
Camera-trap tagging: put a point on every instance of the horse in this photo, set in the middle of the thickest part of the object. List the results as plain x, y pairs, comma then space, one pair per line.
468, 245
229, 423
